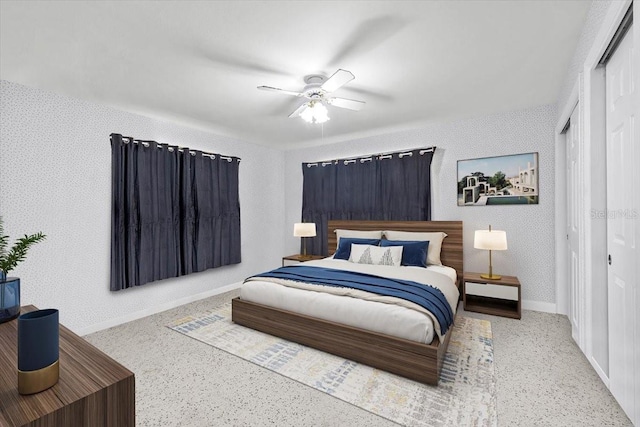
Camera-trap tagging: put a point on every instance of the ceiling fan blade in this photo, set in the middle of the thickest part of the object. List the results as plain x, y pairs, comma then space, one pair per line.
350, 104
337, 80
360, 91
299, 110
282, 91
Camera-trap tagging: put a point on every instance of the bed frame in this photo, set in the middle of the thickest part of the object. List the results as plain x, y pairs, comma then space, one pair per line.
417, 361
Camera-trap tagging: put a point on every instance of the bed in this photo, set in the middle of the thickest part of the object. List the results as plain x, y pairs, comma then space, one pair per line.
418, 358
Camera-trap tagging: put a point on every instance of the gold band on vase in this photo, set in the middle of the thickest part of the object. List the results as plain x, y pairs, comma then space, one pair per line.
30, 382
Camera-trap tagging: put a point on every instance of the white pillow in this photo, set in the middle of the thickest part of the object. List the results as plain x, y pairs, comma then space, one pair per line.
357, 234
369, 254
435, 242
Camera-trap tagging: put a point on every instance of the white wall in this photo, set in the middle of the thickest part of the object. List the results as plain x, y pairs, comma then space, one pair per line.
55, 177
595, 18
530, 229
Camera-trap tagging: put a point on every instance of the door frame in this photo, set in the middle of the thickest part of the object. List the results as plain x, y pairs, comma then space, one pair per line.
589, 93
561, 247
563, 292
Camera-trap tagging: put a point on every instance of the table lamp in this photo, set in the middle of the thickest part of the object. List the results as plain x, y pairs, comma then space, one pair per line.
491, 240
304, 229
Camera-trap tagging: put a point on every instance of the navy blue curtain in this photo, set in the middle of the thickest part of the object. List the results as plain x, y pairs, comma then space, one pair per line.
393, 187
174, 212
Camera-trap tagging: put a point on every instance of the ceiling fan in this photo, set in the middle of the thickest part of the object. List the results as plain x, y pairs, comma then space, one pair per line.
317, 91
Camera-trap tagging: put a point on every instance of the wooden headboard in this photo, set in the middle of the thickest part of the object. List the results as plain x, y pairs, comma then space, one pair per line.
452, 250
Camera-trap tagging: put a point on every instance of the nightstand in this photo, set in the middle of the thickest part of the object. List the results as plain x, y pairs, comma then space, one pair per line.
293, 259
498, 297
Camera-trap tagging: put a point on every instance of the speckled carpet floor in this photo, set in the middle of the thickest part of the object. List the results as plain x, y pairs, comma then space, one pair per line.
543, 379
465, 396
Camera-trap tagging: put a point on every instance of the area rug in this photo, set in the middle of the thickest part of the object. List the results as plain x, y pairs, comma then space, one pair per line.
466, 395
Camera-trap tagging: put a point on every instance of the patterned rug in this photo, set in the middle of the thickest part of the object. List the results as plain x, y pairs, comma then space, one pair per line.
466, 395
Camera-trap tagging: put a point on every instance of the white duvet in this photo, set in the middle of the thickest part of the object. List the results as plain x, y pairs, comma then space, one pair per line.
365, 310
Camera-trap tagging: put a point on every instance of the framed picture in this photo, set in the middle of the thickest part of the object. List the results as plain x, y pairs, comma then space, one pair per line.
502, 180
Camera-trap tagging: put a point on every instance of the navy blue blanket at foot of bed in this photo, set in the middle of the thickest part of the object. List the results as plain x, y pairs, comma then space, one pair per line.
428, 297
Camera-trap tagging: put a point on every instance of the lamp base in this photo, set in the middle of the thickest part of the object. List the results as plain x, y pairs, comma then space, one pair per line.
491, 276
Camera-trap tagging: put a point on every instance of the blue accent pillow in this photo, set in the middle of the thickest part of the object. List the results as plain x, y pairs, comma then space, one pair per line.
344, 246
414, 253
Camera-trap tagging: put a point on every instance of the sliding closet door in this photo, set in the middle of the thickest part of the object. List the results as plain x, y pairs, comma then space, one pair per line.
622, 189
576, 292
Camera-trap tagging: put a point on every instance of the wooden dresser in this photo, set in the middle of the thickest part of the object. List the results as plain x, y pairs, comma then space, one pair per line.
93, 389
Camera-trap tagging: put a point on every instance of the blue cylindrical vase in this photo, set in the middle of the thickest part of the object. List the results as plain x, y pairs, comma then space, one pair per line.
9, 297
38, 350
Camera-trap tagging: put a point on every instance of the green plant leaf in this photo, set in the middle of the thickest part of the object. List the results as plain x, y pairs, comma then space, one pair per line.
18, 253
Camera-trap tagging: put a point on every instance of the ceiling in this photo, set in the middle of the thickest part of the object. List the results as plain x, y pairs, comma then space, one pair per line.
198, 63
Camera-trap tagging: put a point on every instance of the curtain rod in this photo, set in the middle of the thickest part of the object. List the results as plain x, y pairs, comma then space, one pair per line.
180, 149
370, 157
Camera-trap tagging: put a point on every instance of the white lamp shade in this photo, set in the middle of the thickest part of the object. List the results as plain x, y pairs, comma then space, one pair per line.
494, 240
315, 112
304, 229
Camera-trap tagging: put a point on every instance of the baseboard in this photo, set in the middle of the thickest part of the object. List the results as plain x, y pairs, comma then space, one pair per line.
545, 307
599, 371
157, 309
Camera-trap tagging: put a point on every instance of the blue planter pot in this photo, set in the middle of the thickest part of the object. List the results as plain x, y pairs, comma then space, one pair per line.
9, 297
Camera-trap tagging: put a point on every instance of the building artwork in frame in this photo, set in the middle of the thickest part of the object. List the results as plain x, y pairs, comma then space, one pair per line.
501, 180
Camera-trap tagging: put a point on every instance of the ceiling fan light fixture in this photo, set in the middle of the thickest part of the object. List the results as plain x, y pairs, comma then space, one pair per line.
317, 92
320, 112
307, 115
316, 112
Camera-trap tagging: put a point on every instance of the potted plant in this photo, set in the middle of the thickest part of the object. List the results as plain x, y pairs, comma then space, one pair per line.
10, 286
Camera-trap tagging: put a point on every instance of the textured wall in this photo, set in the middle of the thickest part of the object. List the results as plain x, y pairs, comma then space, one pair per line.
55, 176
530, 229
